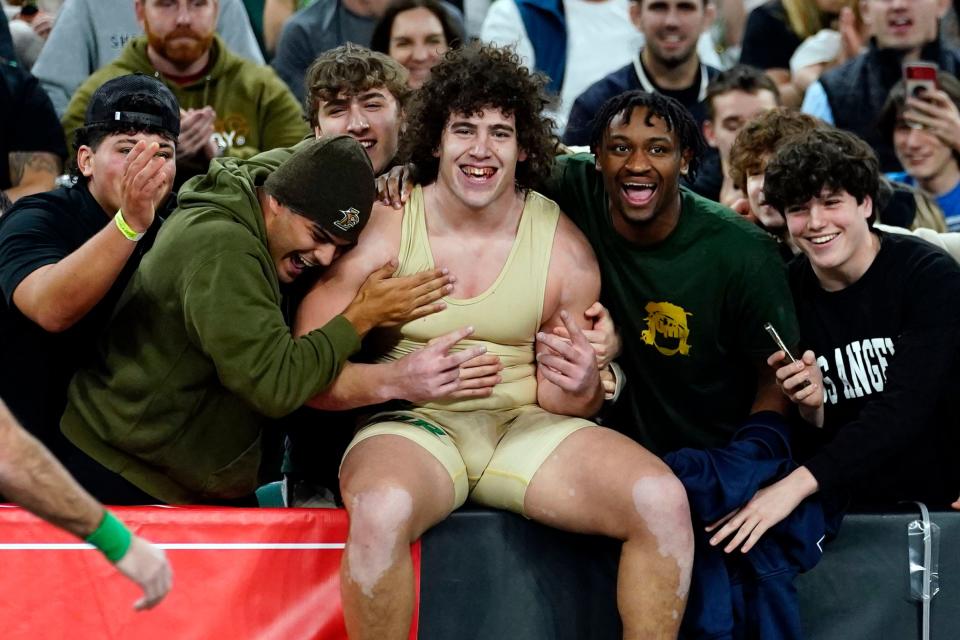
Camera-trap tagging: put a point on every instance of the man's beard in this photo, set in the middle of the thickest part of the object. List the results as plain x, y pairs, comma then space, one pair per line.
674, 60
182, 47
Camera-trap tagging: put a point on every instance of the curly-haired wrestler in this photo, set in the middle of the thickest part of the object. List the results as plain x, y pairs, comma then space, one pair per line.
511, 432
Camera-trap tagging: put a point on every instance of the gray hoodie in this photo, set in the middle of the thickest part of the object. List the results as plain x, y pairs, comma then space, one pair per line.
90, 33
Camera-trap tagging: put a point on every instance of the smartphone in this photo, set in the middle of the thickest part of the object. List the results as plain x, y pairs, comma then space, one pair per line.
779, 342
920, 77
783, 347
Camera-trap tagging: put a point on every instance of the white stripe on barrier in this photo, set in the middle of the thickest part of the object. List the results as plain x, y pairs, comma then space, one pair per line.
191, 546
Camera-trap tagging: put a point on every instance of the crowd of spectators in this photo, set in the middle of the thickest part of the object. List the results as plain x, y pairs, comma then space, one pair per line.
173, 167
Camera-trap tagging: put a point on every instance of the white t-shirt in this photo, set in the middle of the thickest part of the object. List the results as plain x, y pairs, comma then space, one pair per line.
600, 40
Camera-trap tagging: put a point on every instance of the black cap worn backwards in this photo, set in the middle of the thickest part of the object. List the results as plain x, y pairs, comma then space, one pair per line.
330, 181
156, 106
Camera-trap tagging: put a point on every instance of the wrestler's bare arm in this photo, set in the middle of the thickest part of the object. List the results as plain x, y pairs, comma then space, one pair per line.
358, 384
340, 282
31, 477
567, 378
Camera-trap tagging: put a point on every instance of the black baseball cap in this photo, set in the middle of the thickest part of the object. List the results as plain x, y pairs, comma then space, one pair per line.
155, 105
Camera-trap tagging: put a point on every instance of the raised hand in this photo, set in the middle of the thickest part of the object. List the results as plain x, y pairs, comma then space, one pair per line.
853, 35
196, 132
936, 113
146, 182
395, 186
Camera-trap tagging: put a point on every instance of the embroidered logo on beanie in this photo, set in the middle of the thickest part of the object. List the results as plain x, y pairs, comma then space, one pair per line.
350, 219
330, 181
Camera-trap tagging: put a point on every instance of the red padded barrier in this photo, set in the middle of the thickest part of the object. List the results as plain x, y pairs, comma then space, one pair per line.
264, 574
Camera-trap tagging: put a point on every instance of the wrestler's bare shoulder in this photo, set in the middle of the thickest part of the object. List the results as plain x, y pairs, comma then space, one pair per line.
380, 239
571, 249
573, 281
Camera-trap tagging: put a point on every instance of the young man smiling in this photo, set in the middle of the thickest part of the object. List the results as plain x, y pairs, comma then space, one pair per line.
668, 63
502, 433
690, 285
695, 359
924, 132
66, 255
354, 91
879, 317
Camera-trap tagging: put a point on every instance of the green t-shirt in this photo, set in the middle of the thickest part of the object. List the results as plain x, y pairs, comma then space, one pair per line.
690, 310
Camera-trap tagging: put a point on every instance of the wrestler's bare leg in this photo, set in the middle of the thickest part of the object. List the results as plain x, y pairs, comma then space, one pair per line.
600, 482
394, 491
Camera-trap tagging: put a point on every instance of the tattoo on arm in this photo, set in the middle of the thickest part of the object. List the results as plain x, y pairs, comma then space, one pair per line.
25, 162
4, 202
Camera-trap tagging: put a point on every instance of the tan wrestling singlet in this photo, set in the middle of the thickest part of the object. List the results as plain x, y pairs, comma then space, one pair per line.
505, 317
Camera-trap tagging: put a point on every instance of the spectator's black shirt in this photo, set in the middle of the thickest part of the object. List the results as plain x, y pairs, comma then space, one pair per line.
27, 119
888, 347
36, 366
768, 40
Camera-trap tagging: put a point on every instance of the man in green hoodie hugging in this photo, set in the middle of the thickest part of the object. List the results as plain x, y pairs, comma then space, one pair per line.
198, 354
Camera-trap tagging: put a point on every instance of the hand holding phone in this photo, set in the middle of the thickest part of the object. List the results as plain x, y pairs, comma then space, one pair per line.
802, 385
777, 340
929, 107
920, 78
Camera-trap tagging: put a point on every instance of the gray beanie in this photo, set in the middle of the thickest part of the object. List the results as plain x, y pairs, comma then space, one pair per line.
330, 181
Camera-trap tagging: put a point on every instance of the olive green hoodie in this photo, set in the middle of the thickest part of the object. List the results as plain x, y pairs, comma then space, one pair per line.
198, 351
255, 110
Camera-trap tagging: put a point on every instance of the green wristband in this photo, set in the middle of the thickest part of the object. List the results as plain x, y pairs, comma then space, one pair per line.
112, 537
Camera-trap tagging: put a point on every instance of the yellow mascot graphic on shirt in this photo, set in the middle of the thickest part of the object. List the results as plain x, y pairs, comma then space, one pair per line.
667, 328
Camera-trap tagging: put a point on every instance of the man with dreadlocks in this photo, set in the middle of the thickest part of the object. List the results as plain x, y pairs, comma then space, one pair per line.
689, 283
513, 435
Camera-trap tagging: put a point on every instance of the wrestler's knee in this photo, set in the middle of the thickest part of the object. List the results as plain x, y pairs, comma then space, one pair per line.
660, 504
380, 516
660, 501
379, 525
